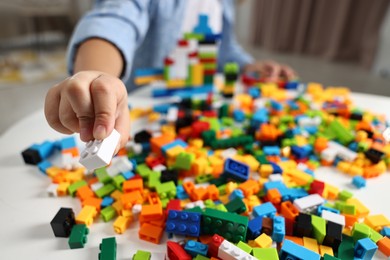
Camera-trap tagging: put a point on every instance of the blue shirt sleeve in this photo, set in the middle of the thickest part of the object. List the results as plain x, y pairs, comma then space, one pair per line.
230, 50
123, 23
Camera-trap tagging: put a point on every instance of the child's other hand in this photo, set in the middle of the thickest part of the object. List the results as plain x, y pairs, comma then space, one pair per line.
91, 103
271, 70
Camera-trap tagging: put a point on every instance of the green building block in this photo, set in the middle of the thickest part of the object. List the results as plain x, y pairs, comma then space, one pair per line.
344, 195
78, 236
319, 228
245, 247
265, 253
143, 170
343, 135
196, 209
166, 190
107, 249
236, 206
164, 202
105, 190
227, 121
221, 207
118, 181
208, 136
204, 178
375, 236
359, 231
349, 209
229, 225
166, 72
75, 186
102, 175
184, 161
108, 213
195, 36
200, 257
154, 179
346, 248
207, 55
329, 257
142, 255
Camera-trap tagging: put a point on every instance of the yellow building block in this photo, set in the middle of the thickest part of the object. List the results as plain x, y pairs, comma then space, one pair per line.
118, 206
197, 143
361, 210
62, 188
343, 166
326, 250
330, 192
53, 171
251, 161
230, 187
121, 224
265, 170
197, 74
285, 165
168, 129
176, 83
301, 140
377, 222
174, 151
301, 178
199, 166
116, 195
311, 244
86, 215
147, 79
263, 241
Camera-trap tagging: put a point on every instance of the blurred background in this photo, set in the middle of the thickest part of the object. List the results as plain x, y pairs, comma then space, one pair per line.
334, 42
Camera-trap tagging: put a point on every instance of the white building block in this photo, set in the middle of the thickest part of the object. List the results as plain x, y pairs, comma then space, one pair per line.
198, 203
229, 153
159, 168
136, 210
275, 177
308, 121
52, 190
97, 185
386, 134
333, 217
98, 153
342, 151
228, 251
329, 154
172, 114
309, 203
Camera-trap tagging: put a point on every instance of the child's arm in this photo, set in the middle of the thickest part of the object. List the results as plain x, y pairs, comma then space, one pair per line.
94, 100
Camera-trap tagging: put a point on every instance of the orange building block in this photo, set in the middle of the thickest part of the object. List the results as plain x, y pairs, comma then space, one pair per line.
150, 233
94, 202
133, 185
384, 246
296, 240
158, 142
131, 198
350, 220
249, 187
151, 212
74, 151
212, 192
288, 210
84, 193
116, 195
273, 195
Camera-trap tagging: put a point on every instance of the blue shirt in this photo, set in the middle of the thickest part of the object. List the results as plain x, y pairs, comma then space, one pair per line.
145, 31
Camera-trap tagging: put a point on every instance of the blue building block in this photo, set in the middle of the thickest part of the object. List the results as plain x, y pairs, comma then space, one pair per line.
271, 150
128, 175
292, 85
177, 142
385, 232
294, 193
38, 152
365, 249
161, 108
44, 165
359, 182
260, 117
254, 92
238, 115
236, 194
195, 248
292, 251
107, 201
276, 105
183, 223
300, 152
264, 210
322, 207
254, 228
67, 142
236, 170
186, 91
279, 230
276, 168
181, 193
148, 72
203, 25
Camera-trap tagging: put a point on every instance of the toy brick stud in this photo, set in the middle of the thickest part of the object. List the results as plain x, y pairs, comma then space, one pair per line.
98, 153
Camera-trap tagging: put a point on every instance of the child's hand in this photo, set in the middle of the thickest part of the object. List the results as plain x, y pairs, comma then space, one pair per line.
271, 70
91, 103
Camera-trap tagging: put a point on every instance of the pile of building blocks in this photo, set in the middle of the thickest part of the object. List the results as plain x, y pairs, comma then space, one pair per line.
233, 180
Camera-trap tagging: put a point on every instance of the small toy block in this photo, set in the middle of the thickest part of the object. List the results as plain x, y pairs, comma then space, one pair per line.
131, 198
103, 175
278, 231
365, 249
264, 210
385, 232
325, 250
309, 203
98, 153
176, 252
361, 210
94, 202
86, 215
333, 235
290, 250
236, 206
107, 201
78, 236
141, 255
288, 210
194, 248
263, 241
319, 228
265, 253
296, 240
377, 222
151, 212
236, 170
183, 223
150, 233
330, 257
132, 185
303, 226
107, 249
38, 152
62, 189
229, 251
84, 192
121, 224
108, 213
63, 222
72, 188
232, 226
245, 247
360, 231
273, 196
166, 190
267, 226
214, 245
384, 246
106, 190
333, 217
311, 244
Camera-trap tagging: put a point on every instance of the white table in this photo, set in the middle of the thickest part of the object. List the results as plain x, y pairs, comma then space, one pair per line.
26, 210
